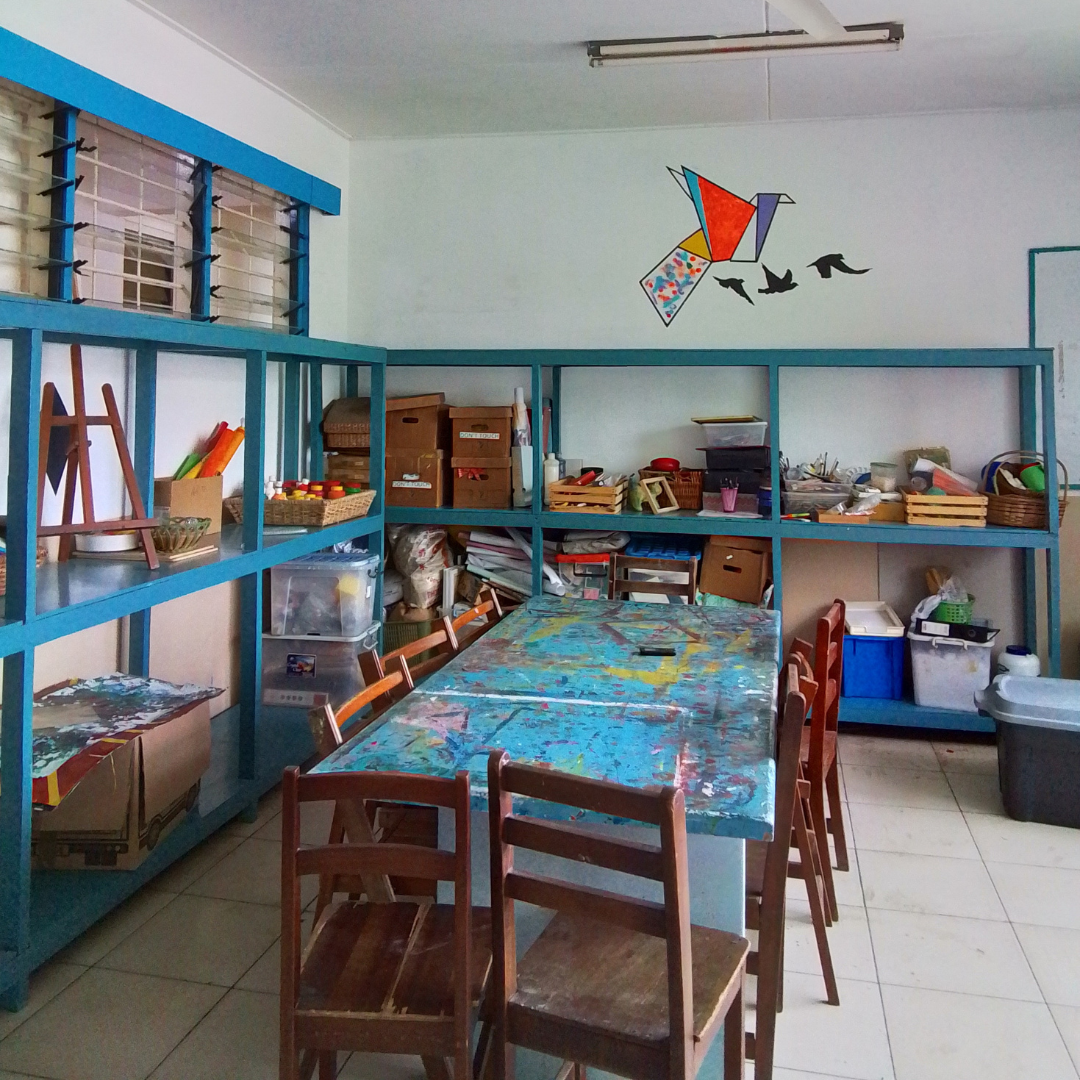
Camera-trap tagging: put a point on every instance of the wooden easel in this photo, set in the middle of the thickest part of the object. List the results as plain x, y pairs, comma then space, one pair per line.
78, 467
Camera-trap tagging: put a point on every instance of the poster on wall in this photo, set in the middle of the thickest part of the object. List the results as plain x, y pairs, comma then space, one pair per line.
731, 230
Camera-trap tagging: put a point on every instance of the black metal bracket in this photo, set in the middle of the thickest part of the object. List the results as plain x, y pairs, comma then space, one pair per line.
62, 185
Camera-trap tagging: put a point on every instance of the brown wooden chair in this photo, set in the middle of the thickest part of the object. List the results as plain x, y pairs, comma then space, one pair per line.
621, 984
442, 643
487, 607
406, 977
619, 583
768, 868
819, 753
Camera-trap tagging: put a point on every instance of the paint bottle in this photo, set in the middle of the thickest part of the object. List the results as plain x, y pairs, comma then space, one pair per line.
551, 476
1018, 660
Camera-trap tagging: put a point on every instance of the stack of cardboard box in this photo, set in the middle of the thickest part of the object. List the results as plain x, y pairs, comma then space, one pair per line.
481, 456
417, 438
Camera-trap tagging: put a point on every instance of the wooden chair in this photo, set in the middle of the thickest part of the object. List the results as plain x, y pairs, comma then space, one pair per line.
591, 989
768, 868
619, 583
819, 753
442, 642
406, 977
487, 607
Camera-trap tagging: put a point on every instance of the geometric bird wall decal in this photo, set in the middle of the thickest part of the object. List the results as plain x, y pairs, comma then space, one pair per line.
735, 284
724, 234
828, 263
774, 283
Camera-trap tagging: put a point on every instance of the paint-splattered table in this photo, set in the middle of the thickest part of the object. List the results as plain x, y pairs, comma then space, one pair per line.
562, 682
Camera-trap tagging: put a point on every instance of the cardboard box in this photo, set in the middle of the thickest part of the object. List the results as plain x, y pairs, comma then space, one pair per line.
481, 432
416, 478
418, 423
482, 482
736, 567
191, 498
116, 815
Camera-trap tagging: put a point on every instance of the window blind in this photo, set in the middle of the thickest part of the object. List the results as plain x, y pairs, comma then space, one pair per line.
252, 245
133, 220
26, 141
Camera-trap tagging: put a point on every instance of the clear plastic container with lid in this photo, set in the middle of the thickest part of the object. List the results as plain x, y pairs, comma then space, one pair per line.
326, 594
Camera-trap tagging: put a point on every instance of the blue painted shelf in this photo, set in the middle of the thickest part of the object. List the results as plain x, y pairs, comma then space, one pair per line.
906, 713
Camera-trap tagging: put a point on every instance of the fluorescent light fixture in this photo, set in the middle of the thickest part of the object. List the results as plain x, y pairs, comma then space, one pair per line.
867, 37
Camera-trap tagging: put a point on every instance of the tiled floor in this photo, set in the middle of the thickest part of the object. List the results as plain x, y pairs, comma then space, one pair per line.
957, 950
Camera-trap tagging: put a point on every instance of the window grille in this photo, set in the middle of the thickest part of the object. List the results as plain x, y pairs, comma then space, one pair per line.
26, 140
251, 240
133, 225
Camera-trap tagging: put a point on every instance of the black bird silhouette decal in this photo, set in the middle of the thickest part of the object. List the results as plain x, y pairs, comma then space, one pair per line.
828, 263
775, 284
735, 284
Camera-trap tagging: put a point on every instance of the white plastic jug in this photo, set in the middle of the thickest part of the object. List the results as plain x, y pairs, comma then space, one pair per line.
1018, 660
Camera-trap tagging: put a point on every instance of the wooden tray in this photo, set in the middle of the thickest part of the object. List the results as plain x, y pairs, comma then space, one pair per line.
947, 510
591, 499
311, 513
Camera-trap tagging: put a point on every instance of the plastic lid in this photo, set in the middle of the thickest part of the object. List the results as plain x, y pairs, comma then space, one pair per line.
1017, 650
1033, 701
330, 558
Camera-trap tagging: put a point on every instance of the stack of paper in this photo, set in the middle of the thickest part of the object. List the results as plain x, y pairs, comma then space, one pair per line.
505, 561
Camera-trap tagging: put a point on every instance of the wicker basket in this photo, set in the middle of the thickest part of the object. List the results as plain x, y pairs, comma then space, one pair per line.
347, 424
686, 485
311, 513
42, 555
1023, 509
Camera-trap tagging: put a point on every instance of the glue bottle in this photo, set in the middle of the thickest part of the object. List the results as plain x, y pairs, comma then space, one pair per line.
551, 476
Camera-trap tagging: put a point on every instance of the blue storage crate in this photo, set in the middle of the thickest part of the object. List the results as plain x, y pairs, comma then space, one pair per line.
873, 667
659, 546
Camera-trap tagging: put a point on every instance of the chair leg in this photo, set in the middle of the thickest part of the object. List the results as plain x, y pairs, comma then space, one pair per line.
735, 1041
780, 968
817, 909
836, 816
328, 1065
817, 814
435, 1067
770, 980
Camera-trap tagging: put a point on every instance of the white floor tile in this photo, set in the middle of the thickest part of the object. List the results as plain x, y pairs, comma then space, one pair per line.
269, 807
941, 952
45, 984
1054, 954
1068, 1021
849, 943
911, 831
5, 1075
888, 750
929, 884
315, 820
106, 934
967, 757
848, 1040
264, 976
199, 938
886, 786
848, 883
186, 871
251, 873
382, 1067
108, 1025
237, 1039
1039, 895
977, 793
943, 1036
1003, 840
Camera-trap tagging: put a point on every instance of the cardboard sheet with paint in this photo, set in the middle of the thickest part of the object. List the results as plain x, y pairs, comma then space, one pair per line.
78, 725
564, 683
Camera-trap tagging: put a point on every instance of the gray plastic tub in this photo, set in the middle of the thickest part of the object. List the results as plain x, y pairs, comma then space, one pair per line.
1038, 732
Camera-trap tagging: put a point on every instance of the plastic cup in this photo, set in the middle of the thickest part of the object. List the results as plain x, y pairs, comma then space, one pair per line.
728, 496
883, 475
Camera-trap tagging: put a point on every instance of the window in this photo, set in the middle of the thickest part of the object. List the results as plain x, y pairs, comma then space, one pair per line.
253, 253
26, 142
133, 213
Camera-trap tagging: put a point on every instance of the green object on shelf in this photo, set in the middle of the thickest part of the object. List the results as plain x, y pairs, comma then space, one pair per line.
955, 611
1033, 478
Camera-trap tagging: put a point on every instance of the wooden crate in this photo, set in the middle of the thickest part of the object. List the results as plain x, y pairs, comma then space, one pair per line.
591, 499
951, 510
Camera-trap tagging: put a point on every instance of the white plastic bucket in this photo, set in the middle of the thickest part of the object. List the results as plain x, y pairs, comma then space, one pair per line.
948, 672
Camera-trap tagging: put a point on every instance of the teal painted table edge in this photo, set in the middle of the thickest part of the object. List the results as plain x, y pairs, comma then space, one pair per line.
561, 683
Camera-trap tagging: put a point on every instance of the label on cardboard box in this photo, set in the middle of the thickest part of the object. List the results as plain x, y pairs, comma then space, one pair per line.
478, 435
410, 484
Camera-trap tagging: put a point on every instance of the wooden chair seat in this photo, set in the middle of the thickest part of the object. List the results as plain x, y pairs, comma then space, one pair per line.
829, 744
612, 983
390, 960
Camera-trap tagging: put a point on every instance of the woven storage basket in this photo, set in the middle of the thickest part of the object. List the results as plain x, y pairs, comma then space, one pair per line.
42, 554
311, 513
347, 424
1023, 509
686, 485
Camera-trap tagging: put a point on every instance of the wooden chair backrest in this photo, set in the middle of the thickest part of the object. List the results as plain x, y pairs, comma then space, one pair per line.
443, 641
620, 566
667, 864
369, 860
828, 671
327, 723
487, 604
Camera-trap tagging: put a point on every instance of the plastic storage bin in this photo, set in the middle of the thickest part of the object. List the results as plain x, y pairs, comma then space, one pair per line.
328, 594
734, 432
307, 672
1038, 729
948, 672
873, 667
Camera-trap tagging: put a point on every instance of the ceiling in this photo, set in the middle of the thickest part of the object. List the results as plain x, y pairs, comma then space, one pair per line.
392, 68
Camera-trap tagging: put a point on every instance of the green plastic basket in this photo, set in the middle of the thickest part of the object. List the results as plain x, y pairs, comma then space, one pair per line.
953, 611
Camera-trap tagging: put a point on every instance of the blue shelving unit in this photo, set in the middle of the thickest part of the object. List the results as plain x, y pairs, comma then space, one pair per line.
1035, 377
42, 912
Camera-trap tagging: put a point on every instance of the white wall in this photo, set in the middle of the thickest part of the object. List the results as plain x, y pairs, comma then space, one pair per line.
540, 241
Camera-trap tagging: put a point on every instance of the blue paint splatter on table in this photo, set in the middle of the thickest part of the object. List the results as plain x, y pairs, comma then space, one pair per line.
561, 683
